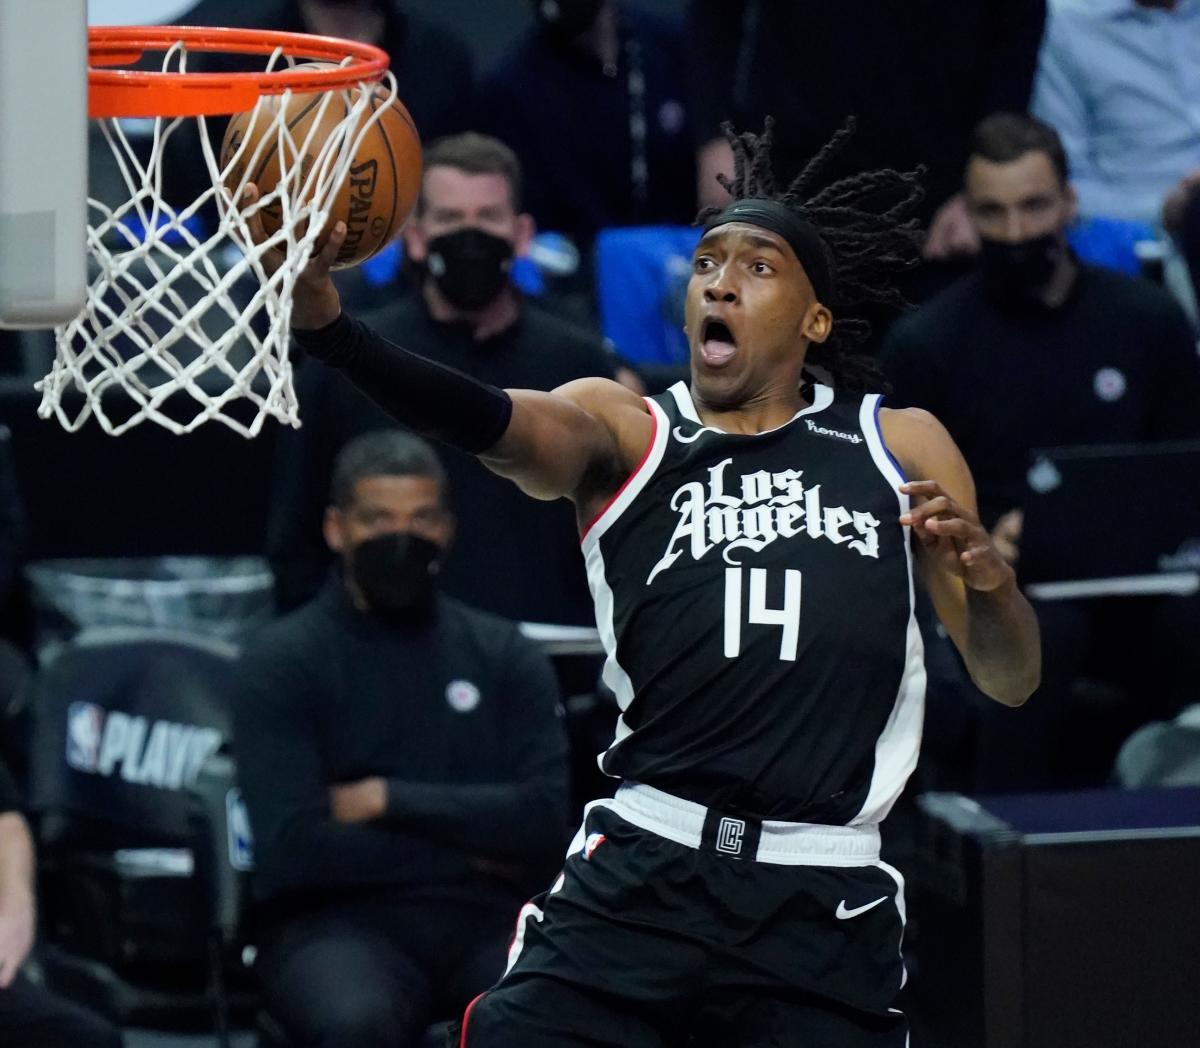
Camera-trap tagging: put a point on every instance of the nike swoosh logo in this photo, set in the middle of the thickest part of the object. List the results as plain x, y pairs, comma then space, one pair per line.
844, 915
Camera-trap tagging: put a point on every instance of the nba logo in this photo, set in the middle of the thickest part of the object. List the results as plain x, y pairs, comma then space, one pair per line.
85, 725
237, 825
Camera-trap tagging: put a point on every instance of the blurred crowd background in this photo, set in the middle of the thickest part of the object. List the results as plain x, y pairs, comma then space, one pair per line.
205, 698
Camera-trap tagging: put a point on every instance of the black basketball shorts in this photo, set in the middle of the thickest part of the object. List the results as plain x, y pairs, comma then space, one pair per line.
672, 924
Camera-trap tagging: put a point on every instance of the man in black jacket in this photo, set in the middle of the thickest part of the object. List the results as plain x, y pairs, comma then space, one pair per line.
1038, 350
404, 768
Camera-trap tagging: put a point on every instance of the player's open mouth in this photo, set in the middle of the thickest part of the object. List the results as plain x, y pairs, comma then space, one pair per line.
717, 343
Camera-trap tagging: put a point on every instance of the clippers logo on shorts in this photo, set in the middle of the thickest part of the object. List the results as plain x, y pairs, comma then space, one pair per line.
729, 835
162, 754
768, 506
594, 840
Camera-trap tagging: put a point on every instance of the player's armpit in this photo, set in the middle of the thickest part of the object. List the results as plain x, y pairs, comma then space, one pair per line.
579, 441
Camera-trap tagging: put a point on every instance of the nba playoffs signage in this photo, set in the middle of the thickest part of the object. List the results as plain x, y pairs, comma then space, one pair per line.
161, 753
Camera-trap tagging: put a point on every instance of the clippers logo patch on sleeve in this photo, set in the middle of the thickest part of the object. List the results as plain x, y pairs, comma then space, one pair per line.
462, 695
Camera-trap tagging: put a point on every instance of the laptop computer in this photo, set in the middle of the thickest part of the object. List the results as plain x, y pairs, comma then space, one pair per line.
1112, 518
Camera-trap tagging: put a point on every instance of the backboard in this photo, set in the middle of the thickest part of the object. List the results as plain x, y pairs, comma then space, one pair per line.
43, 161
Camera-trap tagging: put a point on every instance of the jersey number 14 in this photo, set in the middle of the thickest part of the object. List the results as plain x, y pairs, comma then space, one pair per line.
787, 617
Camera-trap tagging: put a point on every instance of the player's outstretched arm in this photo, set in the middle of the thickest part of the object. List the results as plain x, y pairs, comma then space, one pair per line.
579, 441
973, 588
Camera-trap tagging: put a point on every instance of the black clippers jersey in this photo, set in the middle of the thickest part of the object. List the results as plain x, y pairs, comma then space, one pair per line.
755, 598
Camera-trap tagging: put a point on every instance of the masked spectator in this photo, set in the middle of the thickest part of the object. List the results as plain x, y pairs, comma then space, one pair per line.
466, 313
404, 769
1038, 350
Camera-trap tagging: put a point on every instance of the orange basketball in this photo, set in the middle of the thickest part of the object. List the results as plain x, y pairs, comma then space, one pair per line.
384, 177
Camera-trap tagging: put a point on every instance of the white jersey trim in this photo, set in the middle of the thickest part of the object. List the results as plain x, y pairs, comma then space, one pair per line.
614, 674
634, 483
780, 843
822, 398
899, 743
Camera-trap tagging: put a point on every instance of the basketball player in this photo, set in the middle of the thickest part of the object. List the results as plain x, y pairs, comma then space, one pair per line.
751, 541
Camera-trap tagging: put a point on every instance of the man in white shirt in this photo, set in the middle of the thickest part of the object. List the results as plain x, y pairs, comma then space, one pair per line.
1120, 82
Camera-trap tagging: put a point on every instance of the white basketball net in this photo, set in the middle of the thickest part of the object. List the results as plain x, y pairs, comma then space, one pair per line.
167, 312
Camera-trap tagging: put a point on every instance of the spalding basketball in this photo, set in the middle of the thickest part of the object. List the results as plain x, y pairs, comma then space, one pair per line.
383, 180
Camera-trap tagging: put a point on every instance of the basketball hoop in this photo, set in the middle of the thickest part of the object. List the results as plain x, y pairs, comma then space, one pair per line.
175, 316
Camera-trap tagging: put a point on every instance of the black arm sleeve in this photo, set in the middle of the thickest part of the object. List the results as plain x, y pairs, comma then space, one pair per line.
523, 818
299, 846
430, 398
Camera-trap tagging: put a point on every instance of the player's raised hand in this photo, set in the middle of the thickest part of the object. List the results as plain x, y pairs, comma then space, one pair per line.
954, 536
315, 301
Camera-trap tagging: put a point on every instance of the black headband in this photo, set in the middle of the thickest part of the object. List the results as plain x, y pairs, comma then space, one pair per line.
800, 234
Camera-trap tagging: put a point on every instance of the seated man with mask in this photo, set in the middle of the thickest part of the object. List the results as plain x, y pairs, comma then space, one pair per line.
464, 312
403, 761
1035, 350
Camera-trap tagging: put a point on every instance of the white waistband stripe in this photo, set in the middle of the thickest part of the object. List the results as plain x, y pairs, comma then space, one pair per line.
783, 843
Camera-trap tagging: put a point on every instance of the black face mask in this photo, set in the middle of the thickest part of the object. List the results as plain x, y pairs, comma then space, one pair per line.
566, 19
1016, 273
395, 573
469, 266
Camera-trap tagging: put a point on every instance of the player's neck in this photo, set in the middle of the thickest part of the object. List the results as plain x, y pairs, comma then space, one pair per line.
772, 407
498, 315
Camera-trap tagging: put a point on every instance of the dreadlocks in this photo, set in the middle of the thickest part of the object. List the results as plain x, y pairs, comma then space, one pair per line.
865, 226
